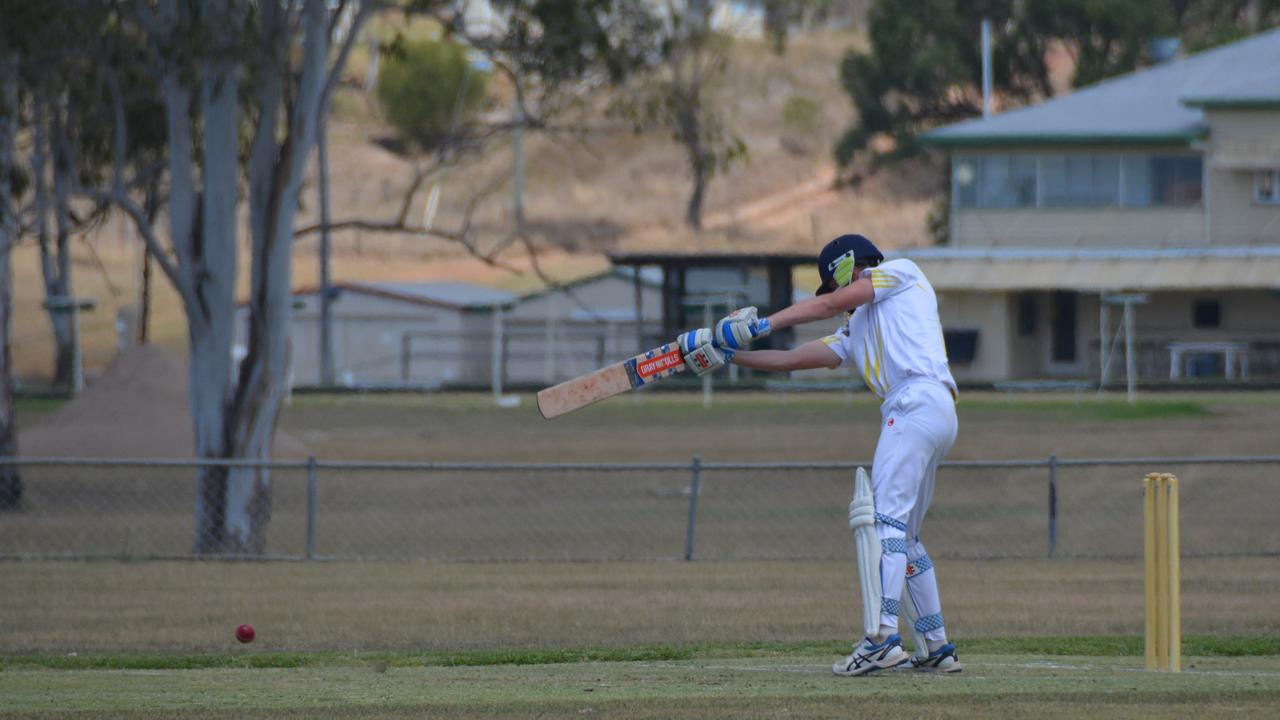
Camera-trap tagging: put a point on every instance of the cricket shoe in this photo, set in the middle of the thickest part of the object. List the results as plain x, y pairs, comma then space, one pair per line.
868, 656
944, 659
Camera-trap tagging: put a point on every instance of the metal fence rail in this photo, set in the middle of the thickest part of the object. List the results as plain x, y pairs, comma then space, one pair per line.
339, 509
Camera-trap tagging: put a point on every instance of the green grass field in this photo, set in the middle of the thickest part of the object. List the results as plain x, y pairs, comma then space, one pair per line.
698, 682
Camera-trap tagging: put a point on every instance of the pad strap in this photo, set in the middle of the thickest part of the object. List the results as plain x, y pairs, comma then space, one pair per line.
893, 545
918, 566
929, 622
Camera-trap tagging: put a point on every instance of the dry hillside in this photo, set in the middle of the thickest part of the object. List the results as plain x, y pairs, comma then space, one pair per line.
622, 190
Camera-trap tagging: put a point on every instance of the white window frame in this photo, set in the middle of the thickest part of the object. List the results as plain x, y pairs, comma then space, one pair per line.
1274, 198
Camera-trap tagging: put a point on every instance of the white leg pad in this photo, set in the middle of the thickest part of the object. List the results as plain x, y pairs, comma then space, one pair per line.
862, 520
920, 651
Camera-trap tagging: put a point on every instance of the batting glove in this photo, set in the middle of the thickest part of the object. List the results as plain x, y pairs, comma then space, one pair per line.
737, 329
700, 353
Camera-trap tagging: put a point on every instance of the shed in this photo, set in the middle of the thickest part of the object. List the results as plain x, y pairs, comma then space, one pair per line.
456, 334
398, 333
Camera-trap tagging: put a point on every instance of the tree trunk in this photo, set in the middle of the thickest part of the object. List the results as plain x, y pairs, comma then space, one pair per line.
211, 338
210, 380
207, 295
60, 286
151, 205
691, 134
694, 214
10, 478
275, 177
144, 300
54, 263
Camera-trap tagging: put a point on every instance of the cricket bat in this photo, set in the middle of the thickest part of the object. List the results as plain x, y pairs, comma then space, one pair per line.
646, 368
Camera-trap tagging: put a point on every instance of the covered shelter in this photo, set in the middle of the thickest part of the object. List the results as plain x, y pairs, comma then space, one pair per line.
698, 284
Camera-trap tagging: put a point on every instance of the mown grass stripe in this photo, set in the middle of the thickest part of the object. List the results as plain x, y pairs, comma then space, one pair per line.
1086, 646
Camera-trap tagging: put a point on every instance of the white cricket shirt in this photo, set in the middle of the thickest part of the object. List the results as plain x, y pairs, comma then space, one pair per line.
897, 337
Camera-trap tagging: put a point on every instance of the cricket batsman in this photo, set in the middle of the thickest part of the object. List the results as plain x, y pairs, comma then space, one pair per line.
894, 337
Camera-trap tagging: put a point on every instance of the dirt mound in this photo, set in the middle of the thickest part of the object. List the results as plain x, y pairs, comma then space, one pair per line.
137, 408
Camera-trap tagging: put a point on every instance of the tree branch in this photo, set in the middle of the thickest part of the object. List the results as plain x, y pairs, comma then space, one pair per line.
336, 16
121, 200
362, 13
463, 236
100, 266
552, 284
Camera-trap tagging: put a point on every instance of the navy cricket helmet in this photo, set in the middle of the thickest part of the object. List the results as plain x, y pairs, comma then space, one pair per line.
838, 258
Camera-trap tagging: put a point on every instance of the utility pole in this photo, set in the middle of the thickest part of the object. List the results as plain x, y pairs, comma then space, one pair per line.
986, 67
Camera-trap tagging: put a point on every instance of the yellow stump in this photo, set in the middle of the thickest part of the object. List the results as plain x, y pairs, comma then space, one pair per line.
1161, 554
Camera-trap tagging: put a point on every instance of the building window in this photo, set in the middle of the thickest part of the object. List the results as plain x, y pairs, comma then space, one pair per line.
996, 181
1084, 180
1081, 180
1163, 180
1266, 187
1026, 314
1206, 314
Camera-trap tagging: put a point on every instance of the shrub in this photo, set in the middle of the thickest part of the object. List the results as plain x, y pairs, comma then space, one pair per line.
422, 82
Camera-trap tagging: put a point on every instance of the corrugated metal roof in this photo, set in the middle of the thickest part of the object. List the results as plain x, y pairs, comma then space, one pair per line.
449, 294
1246, 86
1014, 269
1144, 106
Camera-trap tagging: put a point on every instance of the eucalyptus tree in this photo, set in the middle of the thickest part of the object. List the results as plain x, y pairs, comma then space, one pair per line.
59, 57
10, 478
243, 85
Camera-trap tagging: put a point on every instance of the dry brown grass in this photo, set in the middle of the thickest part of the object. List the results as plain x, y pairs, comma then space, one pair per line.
195, 607
758, 426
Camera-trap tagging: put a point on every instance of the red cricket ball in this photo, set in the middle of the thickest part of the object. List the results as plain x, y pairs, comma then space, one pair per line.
244, 633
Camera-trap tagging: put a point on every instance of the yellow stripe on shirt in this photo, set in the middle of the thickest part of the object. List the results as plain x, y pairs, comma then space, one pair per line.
883, 280
884, 366
875, 365
866, 371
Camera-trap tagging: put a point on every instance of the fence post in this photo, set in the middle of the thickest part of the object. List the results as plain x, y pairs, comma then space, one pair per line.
1053, 504
694, 482
311, 507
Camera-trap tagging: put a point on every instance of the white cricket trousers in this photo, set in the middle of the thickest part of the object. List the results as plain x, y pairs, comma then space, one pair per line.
917, 429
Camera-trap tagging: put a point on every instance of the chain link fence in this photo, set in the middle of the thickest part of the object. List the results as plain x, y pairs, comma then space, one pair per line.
1035, 508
